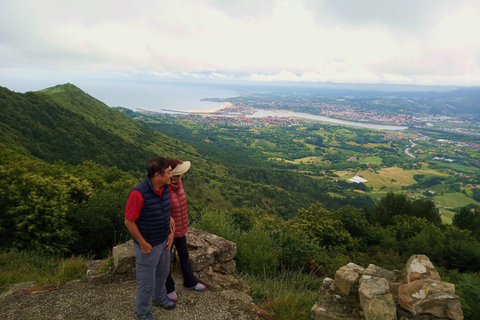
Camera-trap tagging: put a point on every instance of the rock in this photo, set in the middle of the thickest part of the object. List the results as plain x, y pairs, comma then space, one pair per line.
372, 286
211, 258
417, 289
124, 257
376, 301
420, 267
17, 288
431, 296
373, 270
217, 281
347, 277
228, 267
94, 270
206, 249
333, 305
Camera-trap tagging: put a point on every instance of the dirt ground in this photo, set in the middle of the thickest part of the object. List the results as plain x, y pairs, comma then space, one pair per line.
113, 297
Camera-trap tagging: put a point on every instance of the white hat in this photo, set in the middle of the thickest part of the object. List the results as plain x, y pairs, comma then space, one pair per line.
181, 168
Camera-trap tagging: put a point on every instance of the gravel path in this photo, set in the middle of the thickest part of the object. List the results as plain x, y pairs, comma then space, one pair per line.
113, 297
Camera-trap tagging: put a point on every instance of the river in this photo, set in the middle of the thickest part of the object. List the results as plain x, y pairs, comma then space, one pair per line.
268, 113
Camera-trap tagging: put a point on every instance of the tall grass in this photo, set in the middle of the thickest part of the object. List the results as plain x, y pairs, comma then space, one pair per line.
26, 266
289, 295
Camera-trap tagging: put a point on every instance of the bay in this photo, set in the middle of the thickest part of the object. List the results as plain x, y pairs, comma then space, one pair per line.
159, 97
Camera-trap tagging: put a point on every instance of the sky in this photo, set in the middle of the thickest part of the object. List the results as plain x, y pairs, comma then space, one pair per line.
419, 42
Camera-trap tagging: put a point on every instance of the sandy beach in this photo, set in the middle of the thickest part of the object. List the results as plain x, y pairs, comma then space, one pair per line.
211, 110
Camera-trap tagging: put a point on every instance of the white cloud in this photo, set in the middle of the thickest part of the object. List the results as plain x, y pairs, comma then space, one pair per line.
274, 40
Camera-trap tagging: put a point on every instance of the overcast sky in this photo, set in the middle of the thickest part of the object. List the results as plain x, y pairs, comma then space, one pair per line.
373, 41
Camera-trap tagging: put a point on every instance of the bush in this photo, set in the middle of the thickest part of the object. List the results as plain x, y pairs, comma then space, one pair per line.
288, 295
72, 268
447, 247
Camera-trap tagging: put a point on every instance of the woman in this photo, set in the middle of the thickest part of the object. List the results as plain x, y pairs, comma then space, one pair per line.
179, 213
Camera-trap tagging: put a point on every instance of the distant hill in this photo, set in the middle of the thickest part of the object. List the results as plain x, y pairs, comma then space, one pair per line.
65, 123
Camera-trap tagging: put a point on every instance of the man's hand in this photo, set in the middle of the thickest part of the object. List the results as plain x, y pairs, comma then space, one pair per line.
169, 241
146, 247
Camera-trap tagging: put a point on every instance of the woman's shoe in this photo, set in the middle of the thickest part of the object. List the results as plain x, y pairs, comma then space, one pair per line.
172, 296
198, 287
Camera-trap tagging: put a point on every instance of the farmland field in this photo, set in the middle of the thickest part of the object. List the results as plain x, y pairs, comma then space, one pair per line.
454, 200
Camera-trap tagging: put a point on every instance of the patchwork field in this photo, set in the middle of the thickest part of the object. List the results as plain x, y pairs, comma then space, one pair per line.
394, 177
389, 177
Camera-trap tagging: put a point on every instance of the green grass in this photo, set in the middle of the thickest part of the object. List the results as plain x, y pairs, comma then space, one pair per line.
446, 216
370, 160
460, 168
454, 200
25, 266
28, 266
265, 144
377, 195
289, 295
72, 268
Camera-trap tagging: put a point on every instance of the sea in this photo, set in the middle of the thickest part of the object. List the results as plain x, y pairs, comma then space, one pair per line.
159, 97
172, 97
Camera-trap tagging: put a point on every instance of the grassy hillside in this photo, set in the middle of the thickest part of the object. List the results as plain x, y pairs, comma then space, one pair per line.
64, 123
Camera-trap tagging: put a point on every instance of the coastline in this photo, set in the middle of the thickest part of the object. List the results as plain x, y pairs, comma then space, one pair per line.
210, 110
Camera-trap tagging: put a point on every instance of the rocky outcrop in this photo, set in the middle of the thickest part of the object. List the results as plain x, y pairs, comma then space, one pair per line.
124, 257
425, 293
211, 258
333, 305
347, 278
417, 293
375, 298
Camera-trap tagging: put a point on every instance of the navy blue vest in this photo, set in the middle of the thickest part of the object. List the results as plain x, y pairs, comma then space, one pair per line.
154, 220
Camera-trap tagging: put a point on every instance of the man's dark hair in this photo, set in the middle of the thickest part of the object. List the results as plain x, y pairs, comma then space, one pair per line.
157, 164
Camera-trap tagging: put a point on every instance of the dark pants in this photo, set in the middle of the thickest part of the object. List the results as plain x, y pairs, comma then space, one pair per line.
188, 277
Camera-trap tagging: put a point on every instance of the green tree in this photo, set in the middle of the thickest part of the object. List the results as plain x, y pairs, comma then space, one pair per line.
389, 206
447, 246
426, 208
35, 206
355, 221
476, 194
319, 225
468, 219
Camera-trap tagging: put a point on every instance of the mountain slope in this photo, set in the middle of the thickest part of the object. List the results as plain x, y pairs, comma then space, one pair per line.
65, 123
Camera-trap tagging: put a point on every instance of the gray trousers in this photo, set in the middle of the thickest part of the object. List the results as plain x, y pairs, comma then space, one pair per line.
152, 270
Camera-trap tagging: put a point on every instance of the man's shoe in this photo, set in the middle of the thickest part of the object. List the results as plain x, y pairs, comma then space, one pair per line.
169, 305
148, 316
172, 296
198, 287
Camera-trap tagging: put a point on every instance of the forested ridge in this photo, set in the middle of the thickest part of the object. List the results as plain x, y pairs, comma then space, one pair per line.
68, 161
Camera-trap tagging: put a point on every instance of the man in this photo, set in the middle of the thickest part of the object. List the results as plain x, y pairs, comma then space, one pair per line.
147, 217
